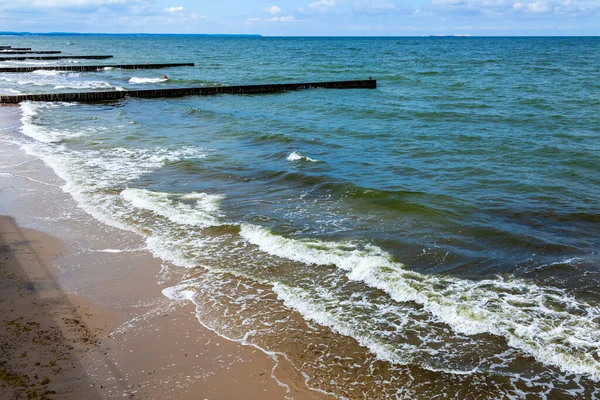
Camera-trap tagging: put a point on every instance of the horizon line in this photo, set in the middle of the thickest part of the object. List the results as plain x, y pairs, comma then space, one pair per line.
458, 35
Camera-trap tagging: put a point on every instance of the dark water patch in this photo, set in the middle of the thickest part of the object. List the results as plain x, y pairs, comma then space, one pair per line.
272, 138
536, 102
430, 73
478, 104
579, 274
438, 115
531, 216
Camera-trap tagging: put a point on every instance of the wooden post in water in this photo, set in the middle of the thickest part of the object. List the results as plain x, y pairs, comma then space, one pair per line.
180, 92
90, 68
52, 58
29, 52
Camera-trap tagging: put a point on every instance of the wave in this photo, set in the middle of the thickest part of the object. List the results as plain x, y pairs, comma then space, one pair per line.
546, 323
56, 79
402, 200
55, 73
85, 85
32, 63
299, 157
29, 127
198, 209
136, 80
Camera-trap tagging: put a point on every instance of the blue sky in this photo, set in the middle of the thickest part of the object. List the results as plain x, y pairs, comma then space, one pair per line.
306, 17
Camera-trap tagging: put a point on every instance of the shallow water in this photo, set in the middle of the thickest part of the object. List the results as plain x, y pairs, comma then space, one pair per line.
437, 235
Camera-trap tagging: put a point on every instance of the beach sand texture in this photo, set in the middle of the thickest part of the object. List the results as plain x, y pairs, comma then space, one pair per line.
45, 330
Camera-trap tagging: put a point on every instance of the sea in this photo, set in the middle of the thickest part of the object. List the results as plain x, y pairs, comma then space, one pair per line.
437, 237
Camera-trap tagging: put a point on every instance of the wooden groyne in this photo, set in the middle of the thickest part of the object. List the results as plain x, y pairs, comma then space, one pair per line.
181, 92
18, 48
5, 47
29, 52
91, 68
52, 58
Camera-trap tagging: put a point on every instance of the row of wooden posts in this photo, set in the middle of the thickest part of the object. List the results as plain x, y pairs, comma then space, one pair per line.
150, 93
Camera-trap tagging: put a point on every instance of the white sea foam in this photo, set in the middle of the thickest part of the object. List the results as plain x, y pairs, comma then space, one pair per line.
137, 80
199, 209
30, 62
547, 323
298, 157
56, 79
387, 321
117, 251
88, 174
84, 85
317, 311
30, 112
175, 293
48, 73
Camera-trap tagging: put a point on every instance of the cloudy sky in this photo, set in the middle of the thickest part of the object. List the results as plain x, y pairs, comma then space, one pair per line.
306, 17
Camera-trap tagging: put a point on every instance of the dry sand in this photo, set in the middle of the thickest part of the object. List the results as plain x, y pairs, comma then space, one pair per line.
81, 320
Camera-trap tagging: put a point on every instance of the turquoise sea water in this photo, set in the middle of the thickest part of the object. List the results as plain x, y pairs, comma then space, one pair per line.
437, 236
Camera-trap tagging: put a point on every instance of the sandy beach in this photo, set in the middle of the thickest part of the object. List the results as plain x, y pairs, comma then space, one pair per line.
45, 330
82, 311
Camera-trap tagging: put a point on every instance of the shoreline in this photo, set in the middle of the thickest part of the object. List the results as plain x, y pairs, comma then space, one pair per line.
152, 346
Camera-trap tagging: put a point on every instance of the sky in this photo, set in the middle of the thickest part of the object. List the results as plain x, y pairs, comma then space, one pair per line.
306, 17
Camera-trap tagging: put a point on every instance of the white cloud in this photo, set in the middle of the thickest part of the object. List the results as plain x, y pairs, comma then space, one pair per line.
194, 17
67, 3
537, 7
374, 6
504, 7
322, 4
282, 19
286, 18
358, 8
273, 10
173, 10
450, 3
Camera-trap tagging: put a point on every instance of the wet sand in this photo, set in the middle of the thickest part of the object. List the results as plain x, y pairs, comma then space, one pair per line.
83, 315
45, 330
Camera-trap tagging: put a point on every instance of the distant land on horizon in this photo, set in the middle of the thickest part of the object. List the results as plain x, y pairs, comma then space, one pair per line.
256, 35
123, 34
